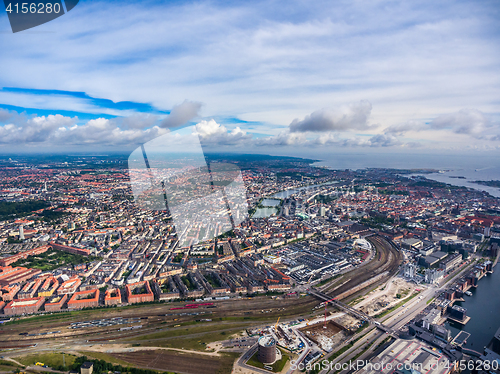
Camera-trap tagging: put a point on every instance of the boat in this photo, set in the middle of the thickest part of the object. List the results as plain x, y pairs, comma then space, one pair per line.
468, 293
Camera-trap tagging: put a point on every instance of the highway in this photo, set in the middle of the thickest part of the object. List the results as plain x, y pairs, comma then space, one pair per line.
394, 320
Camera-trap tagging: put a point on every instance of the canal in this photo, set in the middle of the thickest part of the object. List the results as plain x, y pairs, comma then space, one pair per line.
484, 309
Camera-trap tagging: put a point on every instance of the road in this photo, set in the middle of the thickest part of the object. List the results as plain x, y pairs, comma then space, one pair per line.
395, 320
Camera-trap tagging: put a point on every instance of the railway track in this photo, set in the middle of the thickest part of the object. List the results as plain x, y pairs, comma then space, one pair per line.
387, 260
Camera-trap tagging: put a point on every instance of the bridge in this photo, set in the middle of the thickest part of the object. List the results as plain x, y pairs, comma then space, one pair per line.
348, 309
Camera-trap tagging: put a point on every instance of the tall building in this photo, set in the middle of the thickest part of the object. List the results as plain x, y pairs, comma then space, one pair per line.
267, 349
21, 232
322, 211
433, 275
410, 270
487, 231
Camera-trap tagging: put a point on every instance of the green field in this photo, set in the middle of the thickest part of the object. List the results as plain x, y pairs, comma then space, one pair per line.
52, 259
53, 359
202, 335
6, 365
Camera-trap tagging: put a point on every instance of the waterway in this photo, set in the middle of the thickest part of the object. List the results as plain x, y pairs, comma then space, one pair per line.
270, 202
465, 178
480, 167
484, 309
264, 212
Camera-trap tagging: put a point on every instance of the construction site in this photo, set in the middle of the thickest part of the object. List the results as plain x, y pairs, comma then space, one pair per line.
326, 335
386, 296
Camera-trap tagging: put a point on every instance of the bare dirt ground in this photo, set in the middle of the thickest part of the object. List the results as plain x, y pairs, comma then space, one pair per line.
170, 361
327, 337
126, 348
386, 295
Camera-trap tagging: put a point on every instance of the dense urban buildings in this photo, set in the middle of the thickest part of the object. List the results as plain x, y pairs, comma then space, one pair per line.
84, 233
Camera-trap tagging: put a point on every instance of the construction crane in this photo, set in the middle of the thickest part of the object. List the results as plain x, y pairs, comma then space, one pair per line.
326, 304
276, 325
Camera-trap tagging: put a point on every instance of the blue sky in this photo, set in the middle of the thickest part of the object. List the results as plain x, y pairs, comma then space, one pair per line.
264, 76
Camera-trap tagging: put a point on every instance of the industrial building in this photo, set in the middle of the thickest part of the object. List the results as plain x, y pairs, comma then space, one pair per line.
266, 349
432, 260
451, 261
433, 275
410, 270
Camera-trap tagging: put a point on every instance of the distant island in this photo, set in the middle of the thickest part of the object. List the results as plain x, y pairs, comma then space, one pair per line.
489, 183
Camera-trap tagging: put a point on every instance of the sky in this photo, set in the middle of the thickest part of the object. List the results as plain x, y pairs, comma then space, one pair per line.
279, 77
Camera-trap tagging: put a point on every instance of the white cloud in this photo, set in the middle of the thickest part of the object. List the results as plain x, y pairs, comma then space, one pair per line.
4, 115
181, 114
347, 118
403, 128
34, 130
284, 138
384, 140
467, 121
213, 133
238, 58
58, 130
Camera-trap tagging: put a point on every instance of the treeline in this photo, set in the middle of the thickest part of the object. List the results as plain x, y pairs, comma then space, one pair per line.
21, 208
393, 192
51, 215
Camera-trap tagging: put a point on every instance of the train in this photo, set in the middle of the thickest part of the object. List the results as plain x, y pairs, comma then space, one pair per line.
194, 306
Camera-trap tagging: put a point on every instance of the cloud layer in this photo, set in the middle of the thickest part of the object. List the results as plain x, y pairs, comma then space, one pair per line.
260, 62
181, 114
323, 129
347, 118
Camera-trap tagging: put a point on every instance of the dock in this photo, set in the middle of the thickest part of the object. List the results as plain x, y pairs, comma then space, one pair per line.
462, 322
461, 338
